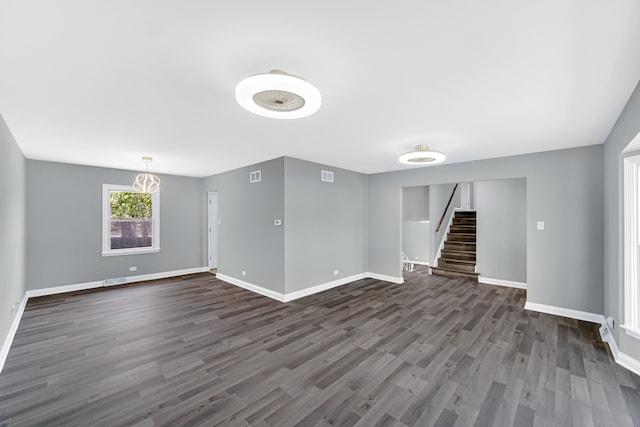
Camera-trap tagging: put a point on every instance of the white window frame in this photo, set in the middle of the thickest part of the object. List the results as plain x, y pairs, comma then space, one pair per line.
631, 232
106, 223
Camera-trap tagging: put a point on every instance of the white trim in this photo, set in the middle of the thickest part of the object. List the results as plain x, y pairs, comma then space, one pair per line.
631, 240
501, 282
443, 239
131, 251
420, 262
283, 297
385, 278
620, 358
278, 296
106, 223
565, 312
632, 332
628, 362
101, 283
323, 287
4, 351
212, 229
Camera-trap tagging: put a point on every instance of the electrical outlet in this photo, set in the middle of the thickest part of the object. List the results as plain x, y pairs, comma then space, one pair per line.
604, 332
611, 322
336, 272
133, 268
244, 273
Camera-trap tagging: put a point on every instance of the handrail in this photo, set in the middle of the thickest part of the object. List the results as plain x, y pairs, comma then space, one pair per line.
447, 208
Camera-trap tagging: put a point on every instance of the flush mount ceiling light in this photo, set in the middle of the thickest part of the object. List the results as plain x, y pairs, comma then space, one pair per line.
145, 182
278, 95
422, 156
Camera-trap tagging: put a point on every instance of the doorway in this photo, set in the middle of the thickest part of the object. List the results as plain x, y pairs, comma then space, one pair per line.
213, 229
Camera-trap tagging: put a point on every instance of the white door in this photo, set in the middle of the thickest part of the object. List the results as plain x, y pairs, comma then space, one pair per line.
213, 229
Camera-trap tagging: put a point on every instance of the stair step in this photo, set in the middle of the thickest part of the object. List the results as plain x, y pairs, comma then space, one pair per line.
461, 237
465, 214
463, 221
459, 246
455, 260
449, 272
459, 255
453, 265
464, 228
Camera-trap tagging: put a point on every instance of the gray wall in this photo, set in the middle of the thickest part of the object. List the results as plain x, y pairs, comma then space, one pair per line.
502, 229
415, 203
12, 227
325, 224
564, 189
64, 225
417, 240
247, 239
625, 129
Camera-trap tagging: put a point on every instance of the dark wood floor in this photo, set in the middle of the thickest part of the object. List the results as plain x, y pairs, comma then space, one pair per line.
196, 351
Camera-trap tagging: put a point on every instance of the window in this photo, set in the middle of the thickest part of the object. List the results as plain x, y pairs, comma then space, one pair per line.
631, 171
130, 221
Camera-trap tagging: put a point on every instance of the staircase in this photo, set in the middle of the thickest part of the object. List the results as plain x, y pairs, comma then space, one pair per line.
458, 256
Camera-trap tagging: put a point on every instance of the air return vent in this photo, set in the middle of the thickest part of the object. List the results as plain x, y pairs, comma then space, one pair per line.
255, 176
326, 176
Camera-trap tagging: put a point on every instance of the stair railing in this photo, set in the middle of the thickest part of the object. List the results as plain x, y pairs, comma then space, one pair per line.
447, 208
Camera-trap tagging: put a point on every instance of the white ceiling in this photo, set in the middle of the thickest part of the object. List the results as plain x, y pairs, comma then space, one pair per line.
104, 82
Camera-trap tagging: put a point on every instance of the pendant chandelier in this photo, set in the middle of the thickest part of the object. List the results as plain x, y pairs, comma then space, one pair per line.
145, 182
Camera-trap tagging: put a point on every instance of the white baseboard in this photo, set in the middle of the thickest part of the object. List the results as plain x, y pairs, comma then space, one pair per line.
385, 278
101, 283
251, 287
565, 312
621, 358
500, 282
323, 287
628, 362
286, 297
4, 351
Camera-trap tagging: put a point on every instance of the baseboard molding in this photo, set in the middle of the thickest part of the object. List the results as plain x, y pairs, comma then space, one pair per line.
621, 358
385, 278
565, 312
628, 362
4, 351
501, 282
323, 287
101, 283
278, 296
286, 297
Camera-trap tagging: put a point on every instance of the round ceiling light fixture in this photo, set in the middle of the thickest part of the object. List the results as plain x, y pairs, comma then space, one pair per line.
422, 156
278, 95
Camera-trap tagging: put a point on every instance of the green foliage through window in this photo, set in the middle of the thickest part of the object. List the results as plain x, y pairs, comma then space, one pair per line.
128, 205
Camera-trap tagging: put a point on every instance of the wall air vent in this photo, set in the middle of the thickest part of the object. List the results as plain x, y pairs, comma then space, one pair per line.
255, 176
326, 176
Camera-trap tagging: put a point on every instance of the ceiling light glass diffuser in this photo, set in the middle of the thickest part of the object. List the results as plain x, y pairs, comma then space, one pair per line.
422, 156
145, 182
278, 95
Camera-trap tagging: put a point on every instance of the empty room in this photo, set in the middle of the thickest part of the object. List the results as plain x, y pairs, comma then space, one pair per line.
319, 213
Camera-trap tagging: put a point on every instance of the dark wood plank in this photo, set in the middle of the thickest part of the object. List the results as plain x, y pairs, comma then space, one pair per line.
195, 351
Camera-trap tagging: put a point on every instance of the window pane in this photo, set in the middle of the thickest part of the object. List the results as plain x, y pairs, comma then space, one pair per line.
131, 220
131, 233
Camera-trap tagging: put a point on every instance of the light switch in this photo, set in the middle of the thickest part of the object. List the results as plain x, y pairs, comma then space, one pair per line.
540, 225
277, 222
